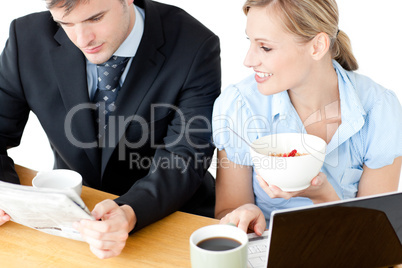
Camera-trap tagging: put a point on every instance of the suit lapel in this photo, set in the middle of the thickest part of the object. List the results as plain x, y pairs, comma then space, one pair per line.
70, 69
143, 72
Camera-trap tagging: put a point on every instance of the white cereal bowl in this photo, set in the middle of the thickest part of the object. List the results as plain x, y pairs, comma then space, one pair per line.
288, 173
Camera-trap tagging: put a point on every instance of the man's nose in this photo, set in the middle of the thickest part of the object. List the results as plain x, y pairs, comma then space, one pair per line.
84, 35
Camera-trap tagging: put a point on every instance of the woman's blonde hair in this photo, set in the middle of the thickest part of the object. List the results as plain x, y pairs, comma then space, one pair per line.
307, 18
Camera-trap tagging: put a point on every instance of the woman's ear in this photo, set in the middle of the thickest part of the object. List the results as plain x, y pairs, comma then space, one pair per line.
320, 46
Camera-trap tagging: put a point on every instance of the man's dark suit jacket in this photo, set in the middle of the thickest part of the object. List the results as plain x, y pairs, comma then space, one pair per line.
157, 156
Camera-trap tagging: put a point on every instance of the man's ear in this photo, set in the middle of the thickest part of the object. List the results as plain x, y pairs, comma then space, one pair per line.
320, 46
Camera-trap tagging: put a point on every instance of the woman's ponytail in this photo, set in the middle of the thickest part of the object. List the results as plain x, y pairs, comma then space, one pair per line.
342, 52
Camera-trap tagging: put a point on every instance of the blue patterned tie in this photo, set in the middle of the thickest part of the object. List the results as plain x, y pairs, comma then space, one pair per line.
109, 74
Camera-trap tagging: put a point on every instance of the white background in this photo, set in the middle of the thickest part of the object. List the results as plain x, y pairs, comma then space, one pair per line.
374, 28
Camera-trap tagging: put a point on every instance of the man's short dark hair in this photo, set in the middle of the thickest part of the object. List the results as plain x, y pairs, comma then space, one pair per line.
68, 5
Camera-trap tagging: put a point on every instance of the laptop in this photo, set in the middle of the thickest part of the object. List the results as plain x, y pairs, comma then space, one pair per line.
359, 232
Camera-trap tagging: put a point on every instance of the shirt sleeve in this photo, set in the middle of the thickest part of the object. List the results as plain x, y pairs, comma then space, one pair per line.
230, 111
383, 132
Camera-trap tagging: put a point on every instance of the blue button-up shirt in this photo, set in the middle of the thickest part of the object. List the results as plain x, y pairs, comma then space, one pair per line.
370, 133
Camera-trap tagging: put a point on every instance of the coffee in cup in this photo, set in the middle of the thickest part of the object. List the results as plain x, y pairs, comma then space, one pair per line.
218, 246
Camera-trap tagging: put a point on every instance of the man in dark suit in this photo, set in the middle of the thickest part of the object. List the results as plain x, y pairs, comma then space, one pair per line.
154, 146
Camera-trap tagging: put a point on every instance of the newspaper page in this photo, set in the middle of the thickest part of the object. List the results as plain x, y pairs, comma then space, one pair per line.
52, 211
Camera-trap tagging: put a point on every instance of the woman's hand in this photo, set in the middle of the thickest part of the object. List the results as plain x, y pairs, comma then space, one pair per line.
247, 216
319, 191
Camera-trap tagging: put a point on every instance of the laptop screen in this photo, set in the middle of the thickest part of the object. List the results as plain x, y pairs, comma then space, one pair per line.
361, 232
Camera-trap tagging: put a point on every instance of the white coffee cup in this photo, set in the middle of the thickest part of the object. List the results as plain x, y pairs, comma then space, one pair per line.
206, 258
58, 179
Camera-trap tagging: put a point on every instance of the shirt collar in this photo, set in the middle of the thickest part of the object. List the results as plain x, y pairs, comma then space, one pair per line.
281, 104
130, 46
351, 107
352, 111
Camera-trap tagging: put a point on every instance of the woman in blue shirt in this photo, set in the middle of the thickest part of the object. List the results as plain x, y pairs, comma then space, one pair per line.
304, 82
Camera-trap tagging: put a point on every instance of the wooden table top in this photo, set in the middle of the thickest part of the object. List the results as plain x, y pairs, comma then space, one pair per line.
162, 244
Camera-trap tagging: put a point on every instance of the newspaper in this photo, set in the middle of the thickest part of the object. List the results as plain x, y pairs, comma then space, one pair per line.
52, 211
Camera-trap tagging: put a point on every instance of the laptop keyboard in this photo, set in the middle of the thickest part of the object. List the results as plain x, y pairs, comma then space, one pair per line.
257, 250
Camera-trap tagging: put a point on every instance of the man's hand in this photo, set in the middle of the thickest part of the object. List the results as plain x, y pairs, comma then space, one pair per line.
108, 234
3, 217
